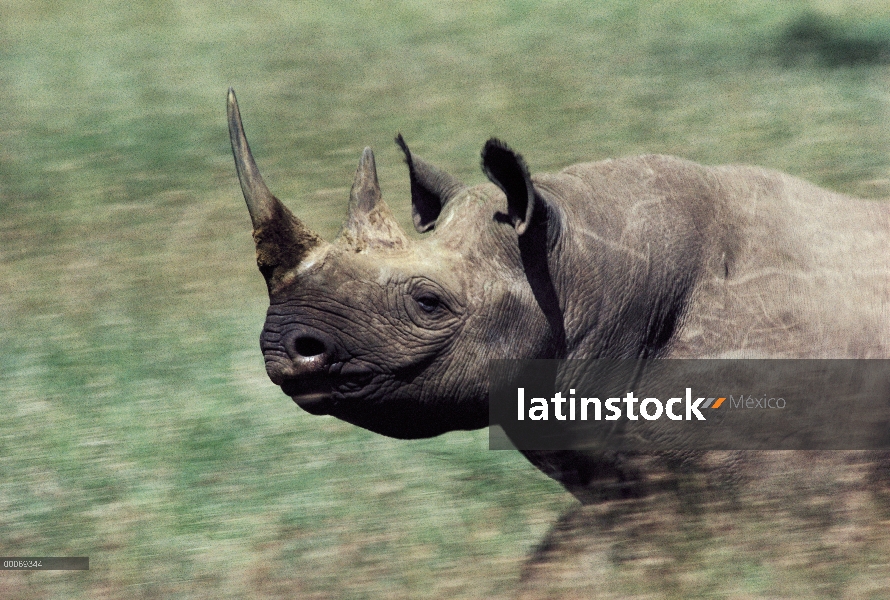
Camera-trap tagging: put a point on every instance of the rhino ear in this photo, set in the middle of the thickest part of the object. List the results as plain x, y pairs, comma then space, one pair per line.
430, 189
506, 169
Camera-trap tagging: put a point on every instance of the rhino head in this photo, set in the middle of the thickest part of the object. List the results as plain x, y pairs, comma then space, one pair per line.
394, 334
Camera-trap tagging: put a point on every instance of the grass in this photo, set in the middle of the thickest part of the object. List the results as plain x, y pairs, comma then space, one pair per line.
138, 425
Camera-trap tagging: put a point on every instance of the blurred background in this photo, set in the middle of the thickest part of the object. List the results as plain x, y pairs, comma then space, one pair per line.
137, 425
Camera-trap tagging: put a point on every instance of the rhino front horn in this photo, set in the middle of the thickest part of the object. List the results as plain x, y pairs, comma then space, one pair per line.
282, 241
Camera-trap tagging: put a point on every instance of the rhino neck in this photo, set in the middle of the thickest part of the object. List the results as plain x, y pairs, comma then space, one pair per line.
536, 251
629, 254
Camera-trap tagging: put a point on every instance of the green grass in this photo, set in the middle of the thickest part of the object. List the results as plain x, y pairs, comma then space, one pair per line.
138, 426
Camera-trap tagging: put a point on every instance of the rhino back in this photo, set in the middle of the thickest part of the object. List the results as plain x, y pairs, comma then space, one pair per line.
664, 257
807, 274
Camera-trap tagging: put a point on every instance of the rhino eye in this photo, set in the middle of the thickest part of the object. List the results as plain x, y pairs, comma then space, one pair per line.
428, 302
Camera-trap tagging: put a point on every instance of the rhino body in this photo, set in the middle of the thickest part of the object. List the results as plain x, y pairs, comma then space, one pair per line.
643, 257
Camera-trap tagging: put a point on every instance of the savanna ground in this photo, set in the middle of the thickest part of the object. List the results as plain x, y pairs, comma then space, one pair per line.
137, 426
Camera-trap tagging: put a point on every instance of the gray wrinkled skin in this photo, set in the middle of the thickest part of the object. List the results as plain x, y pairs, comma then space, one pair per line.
642, 257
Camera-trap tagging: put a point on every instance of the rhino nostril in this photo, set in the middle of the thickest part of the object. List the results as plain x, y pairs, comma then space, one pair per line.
308, 346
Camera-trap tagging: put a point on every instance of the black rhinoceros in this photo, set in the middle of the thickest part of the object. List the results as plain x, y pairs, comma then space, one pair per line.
643, 257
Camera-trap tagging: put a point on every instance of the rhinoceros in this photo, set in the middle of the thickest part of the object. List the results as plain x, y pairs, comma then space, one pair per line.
643, 257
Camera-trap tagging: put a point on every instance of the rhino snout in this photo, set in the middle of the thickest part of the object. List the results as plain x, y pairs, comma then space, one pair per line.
309, 354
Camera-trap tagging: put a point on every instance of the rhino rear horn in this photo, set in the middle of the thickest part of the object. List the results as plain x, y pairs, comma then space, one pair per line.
370, 223
431, 188
507, 170
282, 240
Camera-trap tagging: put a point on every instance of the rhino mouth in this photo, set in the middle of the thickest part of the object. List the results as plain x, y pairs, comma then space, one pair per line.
318, 394
311, 396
